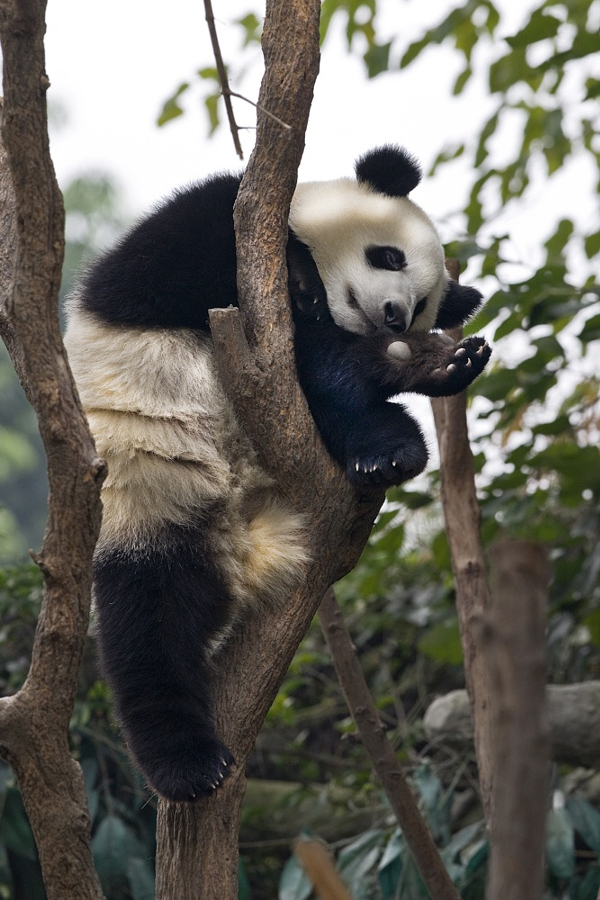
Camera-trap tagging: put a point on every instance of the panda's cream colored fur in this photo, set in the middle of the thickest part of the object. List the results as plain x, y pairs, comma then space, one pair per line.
175, 453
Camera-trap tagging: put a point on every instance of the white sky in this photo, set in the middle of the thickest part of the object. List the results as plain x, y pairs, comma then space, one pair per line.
112, 64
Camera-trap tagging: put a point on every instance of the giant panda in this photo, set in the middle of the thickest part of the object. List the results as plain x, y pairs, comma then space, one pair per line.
194, 534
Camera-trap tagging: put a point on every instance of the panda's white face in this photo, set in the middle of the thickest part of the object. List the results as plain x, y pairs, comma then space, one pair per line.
379, 257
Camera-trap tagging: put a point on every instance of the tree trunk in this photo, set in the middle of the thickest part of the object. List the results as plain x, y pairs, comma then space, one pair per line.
34, 723
197, 845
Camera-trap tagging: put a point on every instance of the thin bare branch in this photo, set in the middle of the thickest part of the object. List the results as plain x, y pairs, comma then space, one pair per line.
382, 754
223, 78
261, 109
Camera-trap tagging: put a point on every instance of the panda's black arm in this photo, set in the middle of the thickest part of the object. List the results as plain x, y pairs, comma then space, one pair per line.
348, 380
375, 442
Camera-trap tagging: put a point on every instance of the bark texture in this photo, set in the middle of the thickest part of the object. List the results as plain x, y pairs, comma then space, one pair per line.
461, 513
197, 844
34, 723
514, 638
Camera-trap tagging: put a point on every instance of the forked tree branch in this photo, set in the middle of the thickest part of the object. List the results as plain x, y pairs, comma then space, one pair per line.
34, 723
197, 844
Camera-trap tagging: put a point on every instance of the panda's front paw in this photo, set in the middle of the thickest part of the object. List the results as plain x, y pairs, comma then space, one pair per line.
189, 771
392, 467
462, 363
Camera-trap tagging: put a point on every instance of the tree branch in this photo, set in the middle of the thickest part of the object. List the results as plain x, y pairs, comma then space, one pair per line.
383, 757
34, 723
514, 642
197, 844
461, 513
223, 79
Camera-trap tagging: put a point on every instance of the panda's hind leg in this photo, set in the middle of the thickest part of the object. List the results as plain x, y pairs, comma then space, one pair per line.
159, 607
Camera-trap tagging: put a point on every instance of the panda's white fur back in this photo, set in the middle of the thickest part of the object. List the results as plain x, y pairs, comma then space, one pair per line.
176, 455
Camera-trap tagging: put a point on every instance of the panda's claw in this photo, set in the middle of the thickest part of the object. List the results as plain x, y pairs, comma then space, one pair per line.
460, 352
197, 768
451, 368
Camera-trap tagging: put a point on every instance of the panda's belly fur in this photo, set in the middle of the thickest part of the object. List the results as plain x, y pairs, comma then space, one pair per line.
178, 459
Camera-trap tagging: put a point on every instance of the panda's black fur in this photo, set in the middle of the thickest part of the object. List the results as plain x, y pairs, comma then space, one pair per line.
194, 534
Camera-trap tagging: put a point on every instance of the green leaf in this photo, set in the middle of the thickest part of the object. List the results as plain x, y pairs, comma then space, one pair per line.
244, 892
113, 847
461, 81
357, 861
15, 831
212, 107
504, 72
252, 28
141, 879
589, 884
592, 245
294, 883
590, 330
377, 59
540, 27
560, 844
441, 642
585, 820
390, 866
171, 108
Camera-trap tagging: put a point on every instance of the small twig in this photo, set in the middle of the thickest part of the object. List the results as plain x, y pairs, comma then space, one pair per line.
261, 108
383, 758
223, 79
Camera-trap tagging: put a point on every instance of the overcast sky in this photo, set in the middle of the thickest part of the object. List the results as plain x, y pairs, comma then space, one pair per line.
112, 64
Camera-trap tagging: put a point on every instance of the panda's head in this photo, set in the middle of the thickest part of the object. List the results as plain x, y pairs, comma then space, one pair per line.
377, 253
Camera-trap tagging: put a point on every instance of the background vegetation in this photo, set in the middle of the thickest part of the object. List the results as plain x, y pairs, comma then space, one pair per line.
536, 443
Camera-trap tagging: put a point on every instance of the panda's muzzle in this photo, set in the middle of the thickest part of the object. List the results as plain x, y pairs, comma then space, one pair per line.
394, 317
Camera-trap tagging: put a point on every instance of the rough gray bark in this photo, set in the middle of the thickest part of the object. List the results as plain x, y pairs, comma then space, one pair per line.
34, 723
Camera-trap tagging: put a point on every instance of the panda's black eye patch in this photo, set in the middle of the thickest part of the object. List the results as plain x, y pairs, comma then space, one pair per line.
390, 258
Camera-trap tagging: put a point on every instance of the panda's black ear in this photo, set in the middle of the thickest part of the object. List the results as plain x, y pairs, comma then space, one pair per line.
458, 304
389, 170
307, 291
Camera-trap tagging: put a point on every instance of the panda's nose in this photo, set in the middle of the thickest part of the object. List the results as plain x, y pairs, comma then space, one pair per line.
394, 317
